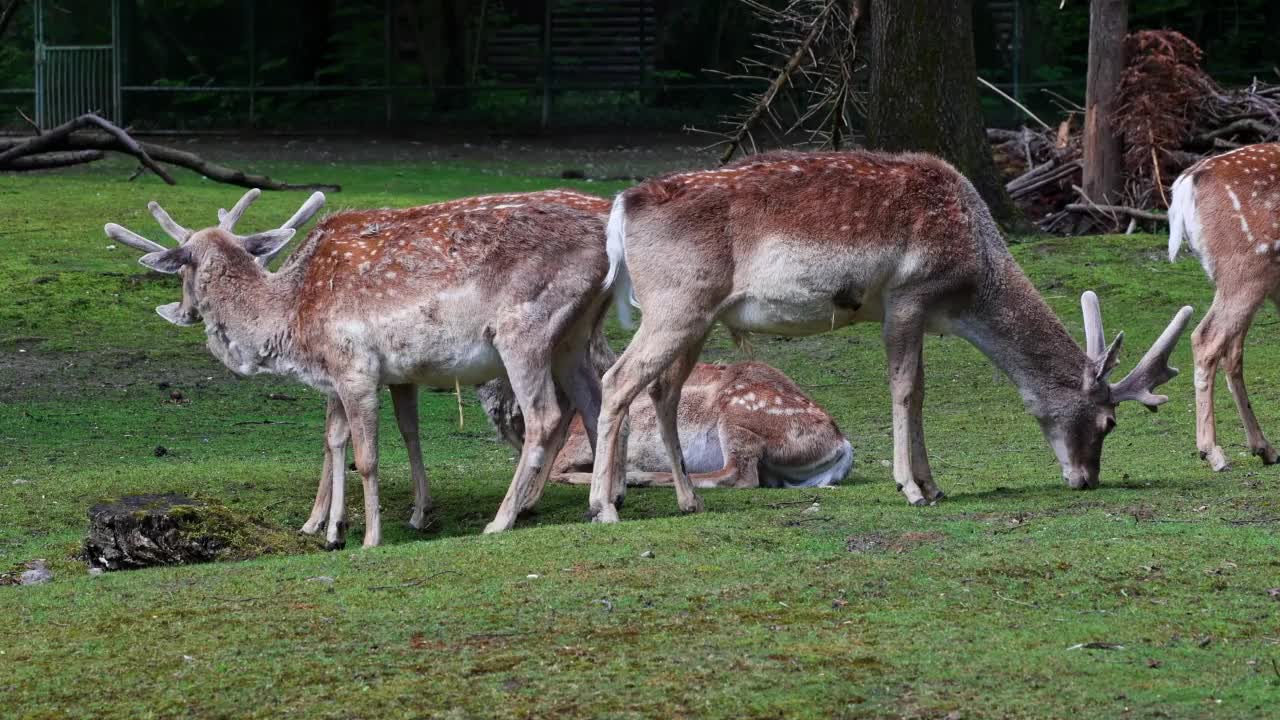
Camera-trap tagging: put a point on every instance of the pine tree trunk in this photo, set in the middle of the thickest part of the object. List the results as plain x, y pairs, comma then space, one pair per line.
924, 89
1103, 177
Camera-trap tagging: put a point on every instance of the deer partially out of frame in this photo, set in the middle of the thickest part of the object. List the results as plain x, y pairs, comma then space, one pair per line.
796, 244
743, 425
1228, 208
432, 295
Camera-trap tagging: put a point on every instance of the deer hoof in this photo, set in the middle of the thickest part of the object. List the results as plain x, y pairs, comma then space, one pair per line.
1268, 454
309, 529
334, 545
607, 515
1217, 459
695, 507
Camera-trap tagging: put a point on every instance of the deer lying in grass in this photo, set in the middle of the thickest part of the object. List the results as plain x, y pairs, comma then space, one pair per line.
797, 244
433, 295
1228, 208
727, 440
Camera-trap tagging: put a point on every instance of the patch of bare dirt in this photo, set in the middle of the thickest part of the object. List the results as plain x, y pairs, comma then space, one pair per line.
28, 374
598, 156
876, 542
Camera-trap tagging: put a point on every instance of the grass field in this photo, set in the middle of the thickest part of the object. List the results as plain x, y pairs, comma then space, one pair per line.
867, 608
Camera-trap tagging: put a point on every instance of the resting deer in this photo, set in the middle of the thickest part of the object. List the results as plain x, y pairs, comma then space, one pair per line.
798, 244
1228, 208
432, 295
742, 425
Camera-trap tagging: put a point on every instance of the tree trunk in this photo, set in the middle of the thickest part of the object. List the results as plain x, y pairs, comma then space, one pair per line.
924, 89
1108, 23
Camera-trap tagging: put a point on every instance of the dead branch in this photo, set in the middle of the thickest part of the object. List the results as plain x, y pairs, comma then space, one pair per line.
8, 14
1118, 210
49, 161
69, 140
57, 138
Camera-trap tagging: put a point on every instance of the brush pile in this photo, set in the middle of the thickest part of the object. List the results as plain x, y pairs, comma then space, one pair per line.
1170, 115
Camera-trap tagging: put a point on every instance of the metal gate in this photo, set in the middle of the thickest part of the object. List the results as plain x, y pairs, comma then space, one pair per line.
75, 79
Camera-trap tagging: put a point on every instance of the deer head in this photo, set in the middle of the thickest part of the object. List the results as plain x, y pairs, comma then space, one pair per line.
1076, 428
194, 245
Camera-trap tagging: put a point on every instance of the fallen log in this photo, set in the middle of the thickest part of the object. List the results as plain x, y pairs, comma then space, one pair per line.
68, 144
49, 161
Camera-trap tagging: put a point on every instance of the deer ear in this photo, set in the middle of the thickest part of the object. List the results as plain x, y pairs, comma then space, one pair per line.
168, 261
268, 242
1104, 365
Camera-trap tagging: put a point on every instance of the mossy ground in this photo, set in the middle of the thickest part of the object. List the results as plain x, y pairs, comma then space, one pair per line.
867, 608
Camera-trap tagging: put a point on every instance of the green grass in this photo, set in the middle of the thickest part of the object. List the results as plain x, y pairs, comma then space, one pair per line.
752, 609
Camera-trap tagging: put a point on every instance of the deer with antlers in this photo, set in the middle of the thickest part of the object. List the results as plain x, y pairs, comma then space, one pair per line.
1227, 208
437, 295
796, 244
743, 425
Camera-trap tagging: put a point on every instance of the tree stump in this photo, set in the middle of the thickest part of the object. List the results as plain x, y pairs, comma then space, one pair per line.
168, 529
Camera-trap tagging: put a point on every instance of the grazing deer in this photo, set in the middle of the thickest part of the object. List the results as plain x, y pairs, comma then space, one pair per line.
796, 244
726, 438
1228, 209
436, 295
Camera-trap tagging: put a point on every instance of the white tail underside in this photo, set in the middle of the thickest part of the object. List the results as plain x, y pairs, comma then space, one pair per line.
615, 247
1184, 223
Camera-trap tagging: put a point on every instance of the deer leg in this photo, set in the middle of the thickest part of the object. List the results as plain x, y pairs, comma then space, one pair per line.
658, 342
539, 482
919, 455
337, 433
1228, 318
361, 405
665, 393
546, 423
1234, 367
903, 338
404, 398
324, 489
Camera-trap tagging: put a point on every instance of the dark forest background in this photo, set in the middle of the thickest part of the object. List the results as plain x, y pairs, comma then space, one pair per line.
404, 63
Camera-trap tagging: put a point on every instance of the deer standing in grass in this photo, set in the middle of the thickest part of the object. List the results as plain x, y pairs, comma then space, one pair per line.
436, 295
726, 439
1228, 209
797, 244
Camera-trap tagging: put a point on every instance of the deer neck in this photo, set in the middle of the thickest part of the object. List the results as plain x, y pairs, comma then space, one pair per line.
247, 316
1017, 330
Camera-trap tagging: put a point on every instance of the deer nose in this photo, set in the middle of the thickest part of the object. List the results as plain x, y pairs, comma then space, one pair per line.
1080, 479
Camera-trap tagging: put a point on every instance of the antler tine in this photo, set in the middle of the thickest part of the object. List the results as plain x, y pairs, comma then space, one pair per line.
176, 231
300, 218
228, 220
306, 212
1153, 369
132, 239
1095, 341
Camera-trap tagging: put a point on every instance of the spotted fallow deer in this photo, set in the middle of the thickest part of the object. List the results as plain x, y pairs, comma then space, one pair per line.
743, 425
436, 295
797, 244
1228, 209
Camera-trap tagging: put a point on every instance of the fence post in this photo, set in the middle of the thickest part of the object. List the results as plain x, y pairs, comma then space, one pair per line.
386, 65
117, 95
252, 17
546, 66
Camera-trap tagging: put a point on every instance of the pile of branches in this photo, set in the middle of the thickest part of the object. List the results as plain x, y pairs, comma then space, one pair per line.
89, 137
808, 74
1170, 114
